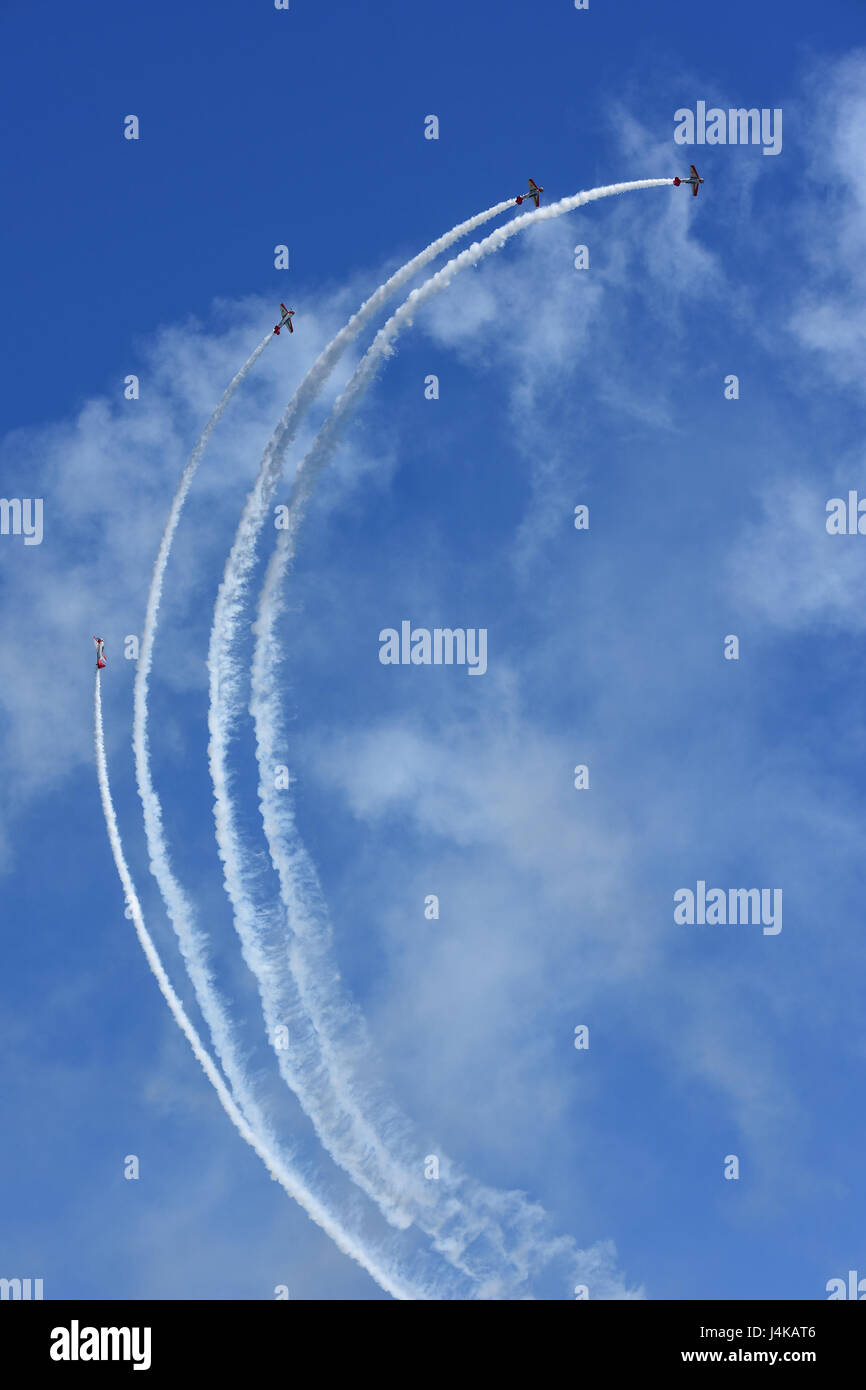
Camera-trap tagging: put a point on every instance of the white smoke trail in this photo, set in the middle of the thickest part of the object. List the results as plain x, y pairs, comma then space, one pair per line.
224, 673
309, 972
192, 941
180, 909
266, 1146
226, 687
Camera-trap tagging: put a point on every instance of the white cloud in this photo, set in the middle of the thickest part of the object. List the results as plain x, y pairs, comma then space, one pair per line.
829, 315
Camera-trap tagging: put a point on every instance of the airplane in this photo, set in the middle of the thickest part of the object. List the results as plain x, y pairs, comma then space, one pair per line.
285, 321
695, 180
535, 192
100, 653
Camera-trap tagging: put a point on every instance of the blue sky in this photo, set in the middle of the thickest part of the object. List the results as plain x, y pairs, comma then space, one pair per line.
557, 386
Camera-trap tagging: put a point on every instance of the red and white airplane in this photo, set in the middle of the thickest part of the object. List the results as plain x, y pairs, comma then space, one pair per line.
285, 321
535, 192
695, 180
100, 653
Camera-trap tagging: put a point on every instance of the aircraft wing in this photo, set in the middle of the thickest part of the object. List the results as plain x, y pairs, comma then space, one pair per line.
291, 328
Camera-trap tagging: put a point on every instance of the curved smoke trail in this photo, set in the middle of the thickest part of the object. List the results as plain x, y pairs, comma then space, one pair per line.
179, 907
266, 1147
226, 683
308, 971
192, 940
